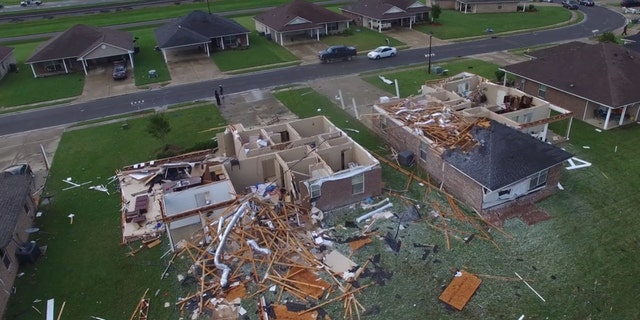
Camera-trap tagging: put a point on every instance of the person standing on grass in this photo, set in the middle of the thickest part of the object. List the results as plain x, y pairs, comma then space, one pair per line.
221, 91
217, 98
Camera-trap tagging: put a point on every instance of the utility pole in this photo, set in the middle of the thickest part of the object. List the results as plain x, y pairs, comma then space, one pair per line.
430, 36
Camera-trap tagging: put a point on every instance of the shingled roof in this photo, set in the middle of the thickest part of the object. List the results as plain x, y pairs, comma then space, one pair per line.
299, 15
386, 9
600, 72
195, 28
14, 189
80, 40
5, 52
504, 156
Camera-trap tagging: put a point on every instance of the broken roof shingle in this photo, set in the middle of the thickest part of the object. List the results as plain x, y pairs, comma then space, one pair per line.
504, 156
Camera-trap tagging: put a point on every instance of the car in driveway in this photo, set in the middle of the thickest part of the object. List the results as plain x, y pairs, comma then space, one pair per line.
570, 4
119, 70
382, 52
587, 3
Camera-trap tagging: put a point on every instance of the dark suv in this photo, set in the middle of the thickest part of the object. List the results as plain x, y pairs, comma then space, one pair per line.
630, 3
119, 70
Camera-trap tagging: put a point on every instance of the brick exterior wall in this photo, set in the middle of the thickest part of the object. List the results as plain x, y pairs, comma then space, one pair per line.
454, 182
335, 194
561, 99
8, 275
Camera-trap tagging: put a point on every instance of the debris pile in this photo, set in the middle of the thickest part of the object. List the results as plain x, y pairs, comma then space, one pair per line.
272, 254
435, 121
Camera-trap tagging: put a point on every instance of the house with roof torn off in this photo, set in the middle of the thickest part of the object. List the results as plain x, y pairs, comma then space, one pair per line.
308, 162
484, 143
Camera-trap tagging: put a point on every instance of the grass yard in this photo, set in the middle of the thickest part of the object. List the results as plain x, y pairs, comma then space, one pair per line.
410, 80
455, 25
22, 88
85, 265
148, 58
581, 261
261, 52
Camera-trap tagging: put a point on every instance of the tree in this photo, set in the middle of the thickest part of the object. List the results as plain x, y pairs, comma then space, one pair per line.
435, 13
158, 127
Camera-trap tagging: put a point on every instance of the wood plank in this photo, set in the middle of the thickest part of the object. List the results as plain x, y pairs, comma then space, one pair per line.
460, 290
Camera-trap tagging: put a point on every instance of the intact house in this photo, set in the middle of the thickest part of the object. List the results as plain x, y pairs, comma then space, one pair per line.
202, 31
477, 144
594, 81
307, 162
299, 20
80, 48
17, 211
383, 14
489, 6
7, 61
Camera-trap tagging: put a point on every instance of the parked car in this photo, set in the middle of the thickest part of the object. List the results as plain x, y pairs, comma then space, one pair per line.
382, 52
587, 3
337, 53
30, 2
119, 70
570, 4
630, 3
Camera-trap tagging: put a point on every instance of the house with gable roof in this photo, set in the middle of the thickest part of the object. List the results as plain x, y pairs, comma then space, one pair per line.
79, 48
203, 30
594, 81
378, 14
299, 20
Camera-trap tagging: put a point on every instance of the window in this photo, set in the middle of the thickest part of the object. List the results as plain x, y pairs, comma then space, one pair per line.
542, 91
6, 260
423, 150
357, 184
332, 27
314, 191
538, 180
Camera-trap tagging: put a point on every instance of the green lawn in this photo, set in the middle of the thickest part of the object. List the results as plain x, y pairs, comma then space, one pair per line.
261, 52
455, 25
85, 264
410, 80
148, 58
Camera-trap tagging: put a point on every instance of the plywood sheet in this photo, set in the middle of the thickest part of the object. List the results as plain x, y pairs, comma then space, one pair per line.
460, 290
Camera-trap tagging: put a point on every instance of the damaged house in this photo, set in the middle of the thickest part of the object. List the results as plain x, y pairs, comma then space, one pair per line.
484, 143
308, 162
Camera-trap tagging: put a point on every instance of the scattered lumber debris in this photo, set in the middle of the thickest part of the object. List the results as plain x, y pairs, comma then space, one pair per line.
268, 252
460, 289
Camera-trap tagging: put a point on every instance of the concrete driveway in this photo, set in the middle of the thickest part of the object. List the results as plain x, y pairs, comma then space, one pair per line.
99, 83
307, 51
413, 38
187, 66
